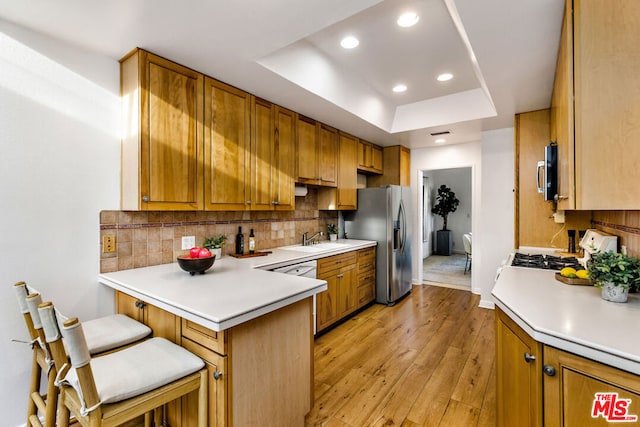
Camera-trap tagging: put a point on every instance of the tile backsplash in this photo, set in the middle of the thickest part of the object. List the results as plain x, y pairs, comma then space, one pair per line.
624, 224
145, 238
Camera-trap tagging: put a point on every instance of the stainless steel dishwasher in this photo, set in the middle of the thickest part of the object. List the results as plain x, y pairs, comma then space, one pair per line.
304, 269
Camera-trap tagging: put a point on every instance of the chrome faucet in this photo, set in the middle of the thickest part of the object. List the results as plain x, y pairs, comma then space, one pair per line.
306, 241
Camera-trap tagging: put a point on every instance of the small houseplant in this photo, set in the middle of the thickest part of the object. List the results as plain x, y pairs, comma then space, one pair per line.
447, 202
332, 230
614, 273
215, 244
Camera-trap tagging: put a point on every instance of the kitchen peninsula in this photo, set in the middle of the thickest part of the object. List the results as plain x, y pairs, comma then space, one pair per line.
557, 345
253, 328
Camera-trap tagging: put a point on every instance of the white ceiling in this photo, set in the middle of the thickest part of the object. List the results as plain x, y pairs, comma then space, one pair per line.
502, 54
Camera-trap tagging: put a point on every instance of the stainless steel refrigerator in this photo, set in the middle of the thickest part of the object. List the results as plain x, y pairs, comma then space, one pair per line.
384, 215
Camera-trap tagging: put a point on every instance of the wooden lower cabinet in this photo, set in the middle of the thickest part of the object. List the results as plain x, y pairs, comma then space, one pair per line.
518, 376
576, 391
350, 285
583, 392
253, 367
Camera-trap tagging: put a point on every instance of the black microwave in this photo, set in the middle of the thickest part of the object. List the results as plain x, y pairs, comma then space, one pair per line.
547, 173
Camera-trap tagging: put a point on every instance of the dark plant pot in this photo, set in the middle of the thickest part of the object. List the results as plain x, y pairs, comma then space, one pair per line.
444, 242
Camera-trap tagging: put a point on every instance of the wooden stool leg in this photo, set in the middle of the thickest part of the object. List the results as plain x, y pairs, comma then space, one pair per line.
34, 387
52, 400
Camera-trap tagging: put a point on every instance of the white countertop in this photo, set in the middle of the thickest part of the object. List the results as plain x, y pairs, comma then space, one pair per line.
231, 292
571, 318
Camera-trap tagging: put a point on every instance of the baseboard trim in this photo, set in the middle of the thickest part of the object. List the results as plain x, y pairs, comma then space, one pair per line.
447, 285
487, 304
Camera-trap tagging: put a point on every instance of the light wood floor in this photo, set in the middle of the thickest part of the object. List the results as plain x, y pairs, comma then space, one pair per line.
427, 361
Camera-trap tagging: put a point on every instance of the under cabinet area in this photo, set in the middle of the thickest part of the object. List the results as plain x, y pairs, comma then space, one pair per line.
595, 107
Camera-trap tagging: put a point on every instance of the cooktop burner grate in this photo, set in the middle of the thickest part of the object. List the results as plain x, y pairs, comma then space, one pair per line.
547, 262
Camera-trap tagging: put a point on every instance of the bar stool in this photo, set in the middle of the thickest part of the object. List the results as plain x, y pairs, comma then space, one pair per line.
103, 335
123, 385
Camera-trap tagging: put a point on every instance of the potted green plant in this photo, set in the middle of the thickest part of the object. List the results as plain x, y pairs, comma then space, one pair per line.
614, 273
447, 202
332, 230
215, 244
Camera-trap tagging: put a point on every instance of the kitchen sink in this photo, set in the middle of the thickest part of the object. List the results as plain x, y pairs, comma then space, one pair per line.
320, 247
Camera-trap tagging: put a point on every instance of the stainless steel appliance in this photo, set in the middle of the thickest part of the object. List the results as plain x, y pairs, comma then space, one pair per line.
384, 215
547, 173
304, 269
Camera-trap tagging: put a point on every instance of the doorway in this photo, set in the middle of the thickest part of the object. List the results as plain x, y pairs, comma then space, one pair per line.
446, 270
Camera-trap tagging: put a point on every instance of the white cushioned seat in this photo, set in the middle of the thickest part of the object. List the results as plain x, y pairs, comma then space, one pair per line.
138, 369
109, 332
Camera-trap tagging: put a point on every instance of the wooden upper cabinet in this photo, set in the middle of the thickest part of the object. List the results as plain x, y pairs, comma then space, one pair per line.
345, 195
272, 157
227, 145
317, 153
397, 168
328, 155
595, 106
163, 140
369, 157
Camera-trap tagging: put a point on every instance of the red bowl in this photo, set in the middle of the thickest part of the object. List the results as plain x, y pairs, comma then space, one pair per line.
195, 265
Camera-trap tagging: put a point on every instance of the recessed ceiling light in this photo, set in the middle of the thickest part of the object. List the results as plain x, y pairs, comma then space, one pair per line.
445, 77
440, 140
408, 19
399, 88
349, 42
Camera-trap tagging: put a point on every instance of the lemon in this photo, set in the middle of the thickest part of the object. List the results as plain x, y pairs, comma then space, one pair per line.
582, 274
568, 271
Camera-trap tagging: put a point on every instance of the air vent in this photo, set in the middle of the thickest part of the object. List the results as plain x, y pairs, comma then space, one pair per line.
444, 132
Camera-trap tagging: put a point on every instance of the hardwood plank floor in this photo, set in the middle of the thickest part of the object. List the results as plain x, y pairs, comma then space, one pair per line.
427, 361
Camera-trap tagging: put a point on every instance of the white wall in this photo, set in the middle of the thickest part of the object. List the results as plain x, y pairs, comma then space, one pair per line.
491, 162
493, 239
59, 166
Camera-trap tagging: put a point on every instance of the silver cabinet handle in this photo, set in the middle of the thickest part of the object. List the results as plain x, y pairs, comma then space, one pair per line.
145, 198
529, 357
275, 202
549, 370
217, 375
248, 202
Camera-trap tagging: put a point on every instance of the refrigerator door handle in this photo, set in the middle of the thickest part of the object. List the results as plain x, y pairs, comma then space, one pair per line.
403, 226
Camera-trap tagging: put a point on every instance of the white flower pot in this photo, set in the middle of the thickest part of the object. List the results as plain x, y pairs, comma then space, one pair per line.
217, 252
614, 293
333, 237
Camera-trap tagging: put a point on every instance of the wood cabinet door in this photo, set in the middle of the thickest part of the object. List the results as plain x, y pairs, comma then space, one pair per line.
328, 156
307, 163
562, 113
227, 147
347, 290
327, 302
262, 155
218, 379
376, 159
347, 173
126, 305
582, 392
284, 159
405, 166
166, 172
364, 154
519, 375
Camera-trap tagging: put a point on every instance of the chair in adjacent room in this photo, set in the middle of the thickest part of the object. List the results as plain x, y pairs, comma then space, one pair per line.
103, 335
466, 239
121, 386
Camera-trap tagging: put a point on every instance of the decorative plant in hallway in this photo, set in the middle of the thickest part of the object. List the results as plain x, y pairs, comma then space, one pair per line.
446, 203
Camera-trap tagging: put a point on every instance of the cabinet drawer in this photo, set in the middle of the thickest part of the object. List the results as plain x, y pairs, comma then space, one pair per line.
366, 278
335, 262
366, 294
215, 341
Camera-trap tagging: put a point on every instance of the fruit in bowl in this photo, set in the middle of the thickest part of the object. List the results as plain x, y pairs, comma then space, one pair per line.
198, 260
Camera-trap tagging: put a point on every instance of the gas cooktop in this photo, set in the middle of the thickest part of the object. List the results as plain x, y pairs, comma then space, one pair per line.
547, 262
